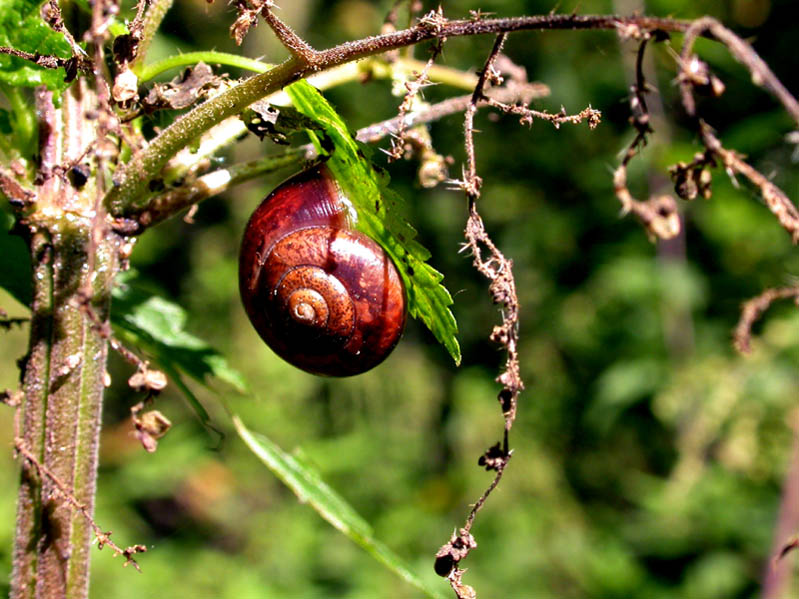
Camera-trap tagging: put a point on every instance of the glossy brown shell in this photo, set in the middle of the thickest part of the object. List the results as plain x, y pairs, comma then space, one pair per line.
324, 297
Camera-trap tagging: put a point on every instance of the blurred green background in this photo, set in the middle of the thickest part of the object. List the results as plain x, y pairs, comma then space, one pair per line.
649, 457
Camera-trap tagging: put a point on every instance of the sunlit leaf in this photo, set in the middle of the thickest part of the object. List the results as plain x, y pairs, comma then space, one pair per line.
378, 217
22, 28
309, 487
158, 326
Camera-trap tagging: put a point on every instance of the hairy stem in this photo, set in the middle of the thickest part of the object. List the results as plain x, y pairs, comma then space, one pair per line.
152, 21
74, 264
61, 414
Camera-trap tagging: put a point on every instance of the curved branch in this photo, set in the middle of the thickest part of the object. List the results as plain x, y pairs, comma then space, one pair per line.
131, 181
743, 53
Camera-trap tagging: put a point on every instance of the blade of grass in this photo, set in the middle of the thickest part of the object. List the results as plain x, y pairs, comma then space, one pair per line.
309, 487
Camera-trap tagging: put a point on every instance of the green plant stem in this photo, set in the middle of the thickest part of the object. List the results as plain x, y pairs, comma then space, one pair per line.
123, 198
152, 21
379, 69
61, 415
66, 367
129, 192
207, 56
170, 203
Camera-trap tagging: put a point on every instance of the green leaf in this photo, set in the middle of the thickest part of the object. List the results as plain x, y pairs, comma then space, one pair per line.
15, 262
157, 326
22, 28
378, 217
5, 122
309, 487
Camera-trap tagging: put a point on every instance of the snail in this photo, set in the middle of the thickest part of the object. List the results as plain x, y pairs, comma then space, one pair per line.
324, 297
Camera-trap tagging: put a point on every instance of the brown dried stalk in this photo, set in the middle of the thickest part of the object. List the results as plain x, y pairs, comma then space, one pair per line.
413, 88
753, 309
694, 74
498, 270
659, 213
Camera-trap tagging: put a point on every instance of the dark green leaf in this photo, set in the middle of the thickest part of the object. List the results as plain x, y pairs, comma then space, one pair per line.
157, 326
376, 207
5, 122
15, 262
309, 487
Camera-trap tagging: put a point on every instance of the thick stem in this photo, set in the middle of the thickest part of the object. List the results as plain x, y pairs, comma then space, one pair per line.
63, 387
64, 376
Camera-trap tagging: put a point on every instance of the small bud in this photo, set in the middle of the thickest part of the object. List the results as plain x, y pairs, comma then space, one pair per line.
147, 380
716, 85
126, 86
150, 427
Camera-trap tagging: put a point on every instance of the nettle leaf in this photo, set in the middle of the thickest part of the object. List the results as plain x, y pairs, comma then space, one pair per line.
22, 28
301, 477
157, 326
378, 216
15, 261
5, 122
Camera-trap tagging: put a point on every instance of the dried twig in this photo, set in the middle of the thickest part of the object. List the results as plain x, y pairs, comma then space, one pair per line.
753, 309
103, 327
694, 71
777, 201
47, 61
51, 12
103, 537
502, 286
17, 194
658, 214
510, 94
695, 74
527, 115
413, 88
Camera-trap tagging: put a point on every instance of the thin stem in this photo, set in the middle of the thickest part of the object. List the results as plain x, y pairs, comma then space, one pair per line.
207, 56
743, 53
152, 21
132, 180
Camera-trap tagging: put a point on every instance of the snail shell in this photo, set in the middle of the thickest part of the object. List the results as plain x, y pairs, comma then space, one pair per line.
324, 297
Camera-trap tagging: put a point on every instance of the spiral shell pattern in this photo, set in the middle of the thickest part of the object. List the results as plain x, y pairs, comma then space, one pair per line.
324, 297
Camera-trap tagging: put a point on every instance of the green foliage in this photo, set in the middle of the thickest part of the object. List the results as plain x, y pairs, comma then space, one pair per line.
300, 476
15, 263
378, 217
156, 326
649, 458
22, 28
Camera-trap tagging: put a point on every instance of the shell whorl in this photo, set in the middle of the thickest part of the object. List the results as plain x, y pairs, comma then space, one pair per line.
324, 297
311, 298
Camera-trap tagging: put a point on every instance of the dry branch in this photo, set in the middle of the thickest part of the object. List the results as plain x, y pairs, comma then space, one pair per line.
753, 309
